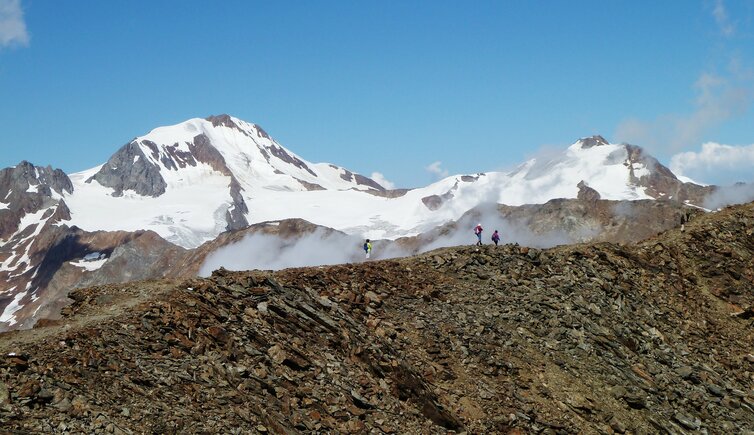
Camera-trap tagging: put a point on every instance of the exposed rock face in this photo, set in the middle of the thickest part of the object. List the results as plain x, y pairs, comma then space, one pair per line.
593, 141
586, 193
578, 339
33, 211
27, 189
434, 202
222, 120
281, 154
236, 214
56, 266
201, 149
128, 169
661, 182
310, 186
360, 179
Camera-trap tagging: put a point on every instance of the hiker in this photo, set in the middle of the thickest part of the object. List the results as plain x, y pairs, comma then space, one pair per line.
478, 231
367, 248
684, 220
495, 237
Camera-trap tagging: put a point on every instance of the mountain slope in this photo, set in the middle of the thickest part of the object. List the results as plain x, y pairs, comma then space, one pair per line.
597, 338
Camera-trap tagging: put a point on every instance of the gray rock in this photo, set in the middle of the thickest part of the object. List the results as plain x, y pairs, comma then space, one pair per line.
129, 169
688, 421
685, 372
4, 394
716, 390
617, 425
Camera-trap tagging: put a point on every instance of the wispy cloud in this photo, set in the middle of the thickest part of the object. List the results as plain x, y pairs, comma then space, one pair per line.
716, 163
12, 25
436, 169
382, 181
722, 19
718, 99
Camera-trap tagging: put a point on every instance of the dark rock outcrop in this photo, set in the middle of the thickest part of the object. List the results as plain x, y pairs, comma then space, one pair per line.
25, 189
661, 182
281, 154
50, 277
434, 202
593, 141
236, 214
586, 193
129, 169
222, 120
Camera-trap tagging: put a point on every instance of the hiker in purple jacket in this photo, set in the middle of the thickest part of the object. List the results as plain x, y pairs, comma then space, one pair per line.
478, 231
495, 237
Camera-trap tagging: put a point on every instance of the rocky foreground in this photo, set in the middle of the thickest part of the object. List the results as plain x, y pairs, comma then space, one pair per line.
602, 338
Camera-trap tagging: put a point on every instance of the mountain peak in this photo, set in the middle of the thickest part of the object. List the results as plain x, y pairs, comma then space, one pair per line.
222, 119
226, 120
593, 141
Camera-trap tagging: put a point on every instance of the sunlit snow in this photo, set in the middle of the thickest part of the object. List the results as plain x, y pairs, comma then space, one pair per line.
10, 310
89, 265
194, 206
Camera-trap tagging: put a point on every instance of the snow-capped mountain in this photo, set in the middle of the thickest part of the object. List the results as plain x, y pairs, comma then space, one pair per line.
191, 181
187, 183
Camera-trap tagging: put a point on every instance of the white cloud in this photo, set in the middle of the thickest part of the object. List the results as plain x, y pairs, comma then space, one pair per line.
12, 25
716, 163
436, 169
722, 19
728, 195
263, 251
382, 181
718, 99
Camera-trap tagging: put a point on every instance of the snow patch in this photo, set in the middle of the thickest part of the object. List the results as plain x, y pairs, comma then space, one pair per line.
10, 310
89, 265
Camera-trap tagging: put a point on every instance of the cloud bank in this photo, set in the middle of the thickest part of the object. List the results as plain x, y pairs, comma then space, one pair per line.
272, 252
12, 25
325, 247
726, 163
462, 233
729, 195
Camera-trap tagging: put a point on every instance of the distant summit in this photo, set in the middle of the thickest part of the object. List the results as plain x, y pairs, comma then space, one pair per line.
593, 141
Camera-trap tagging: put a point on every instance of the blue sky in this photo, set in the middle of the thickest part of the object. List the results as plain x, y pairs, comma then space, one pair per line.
388, 86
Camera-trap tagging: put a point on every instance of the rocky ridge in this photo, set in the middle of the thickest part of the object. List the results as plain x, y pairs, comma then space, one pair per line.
591, 338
